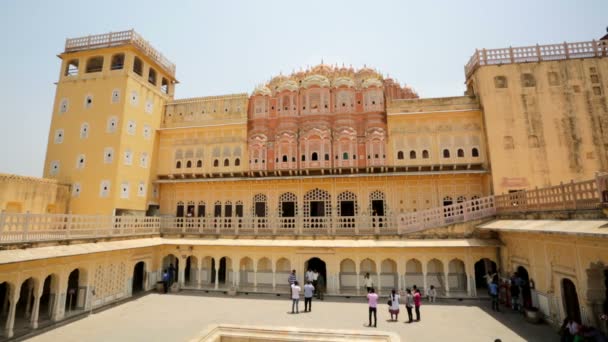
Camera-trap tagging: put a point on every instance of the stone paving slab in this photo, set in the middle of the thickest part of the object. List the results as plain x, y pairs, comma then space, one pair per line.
181, 317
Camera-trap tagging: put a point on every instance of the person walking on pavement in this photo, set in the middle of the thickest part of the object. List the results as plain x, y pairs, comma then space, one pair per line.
409, 304
367, 281
309, 290
493, 289
295, 297
166, 281
417, 304
372, 301
393, 305
320, 287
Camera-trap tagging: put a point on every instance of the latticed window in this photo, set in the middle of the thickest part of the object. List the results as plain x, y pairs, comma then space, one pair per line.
347, 204
260, 205
288, 204
317, 202
377, 203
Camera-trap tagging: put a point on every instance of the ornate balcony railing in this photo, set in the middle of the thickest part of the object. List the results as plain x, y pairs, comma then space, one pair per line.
116, 39
584, 195
536, 53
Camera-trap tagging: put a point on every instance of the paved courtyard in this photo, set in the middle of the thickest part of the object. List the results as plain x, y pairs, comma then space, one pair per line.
181, 317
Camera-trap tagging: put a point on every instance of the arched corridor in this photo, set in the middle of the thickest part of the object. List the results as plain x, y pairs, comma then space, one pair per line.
413, 274
191, 271
348, 276
139, 278
457, 277
389, 279
435, 276
171, 265
570, 300
484, 270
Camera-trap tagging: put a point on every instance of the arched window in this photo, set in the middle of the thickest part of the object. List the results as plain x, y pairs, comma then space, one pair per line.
400, 155
326, 156
460, 153
94, 64
303, 158
164, 86
226, 162
314, 156
237, 162
446, 153
199, 163
475, 152
188, 164
71, 69
284, 158
178, 165
425, 154
345, 155
152, 76
412, 154
118, 61
138, 66
447, 200
216, 163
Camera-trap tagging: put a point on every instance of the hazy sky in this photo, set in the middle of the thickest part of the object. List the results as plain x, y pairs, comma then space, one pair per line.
223, 47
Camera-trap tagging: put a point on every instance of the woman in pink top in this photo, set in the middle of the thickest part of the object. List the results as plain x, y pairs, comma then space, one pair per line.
372, 300
417, 304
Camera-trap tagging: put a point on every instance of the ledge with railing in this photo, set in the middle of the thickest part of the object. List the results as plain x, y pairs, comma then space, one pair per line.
116, 39
584, 195
536, 53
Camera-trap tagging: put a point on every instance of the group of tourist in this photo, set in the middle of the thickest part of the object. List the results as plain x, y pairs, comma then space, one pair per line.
315, 284
573, 331
517, 288
412, 298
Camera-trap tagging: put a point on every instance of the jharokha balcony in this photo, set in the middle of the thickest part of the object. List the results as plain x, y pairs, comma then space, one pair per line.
33, 228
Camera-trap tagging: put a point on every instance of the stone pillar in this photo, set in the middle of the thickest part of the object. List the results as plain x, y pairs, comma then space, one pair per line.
255, 278
466, 275
59, 303
28, 302
424, 280
447, 283
358, 284
181, 273
338, 285
10, 320
199, 273
217, 278
36, 309
399, 281
379, 289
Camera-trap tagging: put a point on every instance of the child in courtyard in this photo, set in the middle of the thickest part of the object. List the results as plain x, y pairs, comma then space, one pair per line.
432, 294
393, 305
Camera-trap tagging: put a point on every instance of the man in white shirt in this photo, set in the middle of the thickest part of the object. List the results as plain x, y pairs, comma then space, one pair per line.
309, 275
309, 290
295, 297
315, 276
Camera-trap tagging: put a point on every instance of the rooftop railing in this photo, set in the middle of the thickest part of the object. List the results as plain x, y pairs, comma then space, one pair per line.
116, 39
24, 228
536, 53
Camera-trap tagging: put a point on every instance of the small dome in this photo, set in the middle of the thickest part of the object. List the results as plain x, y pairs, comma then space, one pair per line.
290, 85
343, 81
372, 82
312, 80
262, 90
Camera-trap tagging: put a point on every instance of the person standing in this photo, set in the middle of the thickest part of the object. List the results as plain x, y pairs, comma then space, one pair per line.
372, 301
409, 304
417, 304
432, 294
493, 289
367, 281
309, 290
514, 295
320, 287
172, 275
166, 281
393, 305
315, 277
292, 277
295, 297
308, 275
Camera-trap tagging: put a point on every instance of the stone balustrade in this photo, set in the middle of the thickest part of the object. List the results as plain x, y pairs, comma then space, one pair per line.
584, 195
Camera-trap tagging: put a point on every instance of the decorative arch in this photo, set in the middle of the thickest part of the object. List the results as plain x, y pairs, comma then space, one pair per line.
377, 203
283, 265
317, 202
259, 206
288, 205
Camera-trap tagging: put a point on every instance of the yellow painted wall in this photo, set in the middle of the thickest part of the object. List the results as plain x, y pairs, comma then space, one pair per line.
434, 125
402, 193
137, 102
20, 194
552, 131
550, 258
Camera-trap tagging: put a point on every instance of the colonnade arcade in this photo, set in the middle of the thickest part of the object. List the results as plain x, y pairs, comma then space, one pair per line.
451, 276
